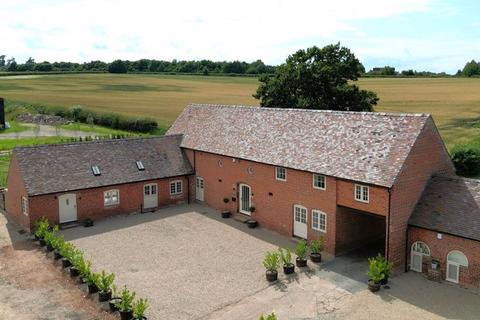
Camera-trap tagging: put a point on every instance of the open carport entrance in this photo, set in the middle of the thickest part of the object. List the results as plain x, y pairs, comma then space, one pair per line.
359, 232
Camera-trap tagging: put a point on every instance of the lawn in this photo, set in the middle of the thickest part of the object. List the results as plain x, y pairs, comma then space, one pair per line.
453, 102
4, 162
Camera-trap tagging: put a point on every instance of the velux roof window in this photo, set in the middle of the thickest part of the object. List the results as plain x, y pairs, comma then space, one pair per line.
140, 165
96, 171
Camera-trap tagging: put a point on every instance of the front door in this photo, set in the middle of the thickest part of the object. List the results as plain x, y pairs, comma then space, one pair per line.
150, 196
245, 199
419, 250
300, 222
67, 204
199, 189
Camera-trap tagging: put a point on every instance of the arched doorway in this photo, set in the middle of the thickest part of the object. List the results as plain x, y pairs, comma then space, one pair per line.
419, 250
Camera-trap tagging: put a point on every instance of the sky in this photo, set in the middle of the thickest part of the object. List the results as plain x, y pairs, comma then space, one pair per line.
434, 35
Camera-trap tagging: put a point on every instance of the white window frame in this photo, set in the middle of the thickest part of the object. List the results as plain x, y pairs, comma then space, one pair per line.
24, 205
277, 170
362, 193
319, 214
108, 198
456, 264
316, 175
176, 183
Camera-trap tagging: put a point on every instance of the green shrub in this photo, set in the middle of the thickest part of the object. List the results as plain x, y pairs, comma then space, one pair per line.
50, 236
301, 249
126, 299
385, 265
41, 227
58, 242
285, 256
271, 261
139, 307
76, 258
92, 278
375, 270
316, 246
270, 316
84, 268
67, 250
466, 160
105, 281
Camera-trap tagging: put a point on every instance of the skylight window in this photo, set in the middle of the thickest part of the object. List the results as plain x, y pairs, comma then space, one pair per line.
140, 165
96, 171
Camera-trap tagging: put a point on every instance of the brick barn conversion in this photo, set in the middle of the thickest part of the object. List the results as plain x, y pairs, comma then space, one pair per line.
354, 178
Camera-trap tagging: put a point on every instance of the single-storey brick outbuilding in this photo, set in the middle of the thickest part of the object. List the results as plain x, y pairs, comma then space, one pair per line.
352, 178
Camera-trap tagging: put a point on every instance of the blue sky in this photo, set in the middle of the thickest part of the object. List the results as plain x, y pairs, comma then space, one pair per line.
435, 35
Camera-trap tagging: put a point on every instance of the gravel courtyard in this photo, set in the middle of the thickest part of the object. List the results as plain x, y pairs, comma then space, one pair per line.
191, 264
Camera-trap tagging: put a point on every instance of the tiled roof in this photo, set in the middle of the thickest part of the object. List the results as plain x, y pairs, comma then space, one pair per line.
450, 205
63, 167
364, 146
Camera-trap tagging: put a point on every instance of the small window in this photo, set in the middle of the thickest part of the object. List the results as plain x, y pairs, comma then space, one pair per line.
176, 187
361, 193
25, 206
96, 171
319, 181
281, 173
111, 197
319, 220
140, 165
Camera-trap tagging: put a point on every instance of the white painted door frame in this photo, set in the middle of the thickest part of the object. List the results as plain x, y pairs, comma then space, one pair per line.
67, 207
416, 255
245, 199
300, 215
199, 189
150, 195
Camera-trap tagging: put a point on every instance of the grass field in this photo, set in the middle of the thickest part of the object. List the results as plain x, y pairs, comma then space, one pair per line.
453, 102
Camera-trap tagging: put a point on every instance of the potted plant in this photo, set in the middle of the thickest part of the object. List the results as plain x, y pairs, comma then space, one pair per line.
316, 247
67, 250
104, 283
92, 279
84, 268
226, 212
76, 260
375, 272
271, 263
124, 305
41, 227
286, 257
57, 244
114, 300
386, 267
139, 307
301, 252
50, 237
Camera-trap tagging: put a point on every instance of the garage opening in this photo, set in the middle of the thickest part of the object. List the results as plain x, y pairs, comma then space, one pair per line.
360, 232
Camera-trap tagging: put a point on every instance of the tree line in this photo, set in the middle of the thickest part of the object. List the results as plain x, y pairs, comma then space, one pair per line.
204, 67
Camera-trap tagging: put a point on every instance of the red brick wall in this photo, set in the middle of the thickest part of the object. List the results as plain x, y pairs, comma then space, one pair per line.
378, 197
356, 229
428, 156
15, 191
90, 201
439, 249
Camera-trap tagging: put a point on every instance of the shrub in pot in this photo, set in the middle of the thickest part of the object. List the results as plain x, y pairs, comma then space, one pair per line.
84, 268
386, 267
57, 244
124, 305
271, 263
76, 260
286, 257
41, 227
92, 279
50, 237
301, 252
316, 247
104, 283
114, 300
139, 307
375, 272
226, 212
67, 250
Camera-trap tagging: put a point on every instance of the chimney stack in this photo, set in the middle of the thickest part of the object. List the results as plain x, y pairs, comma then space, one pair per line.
2, 114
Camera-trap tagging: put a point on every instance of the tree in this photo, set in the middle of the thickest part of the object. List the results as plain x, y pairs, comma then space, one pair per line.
317, 78
117, 66
2, 60
11, 64
471, 68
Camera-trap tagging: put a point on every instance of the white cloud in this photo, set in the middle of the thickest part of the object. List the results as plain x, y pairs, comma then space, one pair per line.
246, 30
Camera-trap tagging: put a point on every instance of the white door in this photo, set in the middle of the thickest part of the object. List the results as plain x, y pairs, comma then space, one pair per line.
419, 249
67, 204
150, 196
245, 199
199, 189
300, 222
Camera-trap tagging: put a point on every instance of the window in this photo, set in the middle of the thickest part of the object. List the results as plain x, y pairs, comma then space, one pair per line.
25, 206
455, 259
361, 193
96, 171
319, 220
140, 165
111, 197
176, 187
319, 181
281, 174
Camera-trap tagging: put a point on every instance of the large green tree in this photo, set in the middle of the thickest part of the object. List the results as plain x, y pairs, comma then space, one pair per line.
317, 78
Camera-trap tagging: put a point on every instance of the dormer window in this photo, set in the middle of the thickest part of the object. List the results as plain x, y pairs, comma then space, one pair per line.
96, 171
140, 165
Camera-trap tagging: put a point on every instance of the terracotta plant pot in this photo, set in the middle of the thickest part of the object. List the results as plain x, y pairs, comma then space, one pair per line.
104, 296
225, 214
373, 286
57, 255
92, 288
301, 263
288, 268
66, 263
74, 272
112, 302
271, 276
316, 257
126, 315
